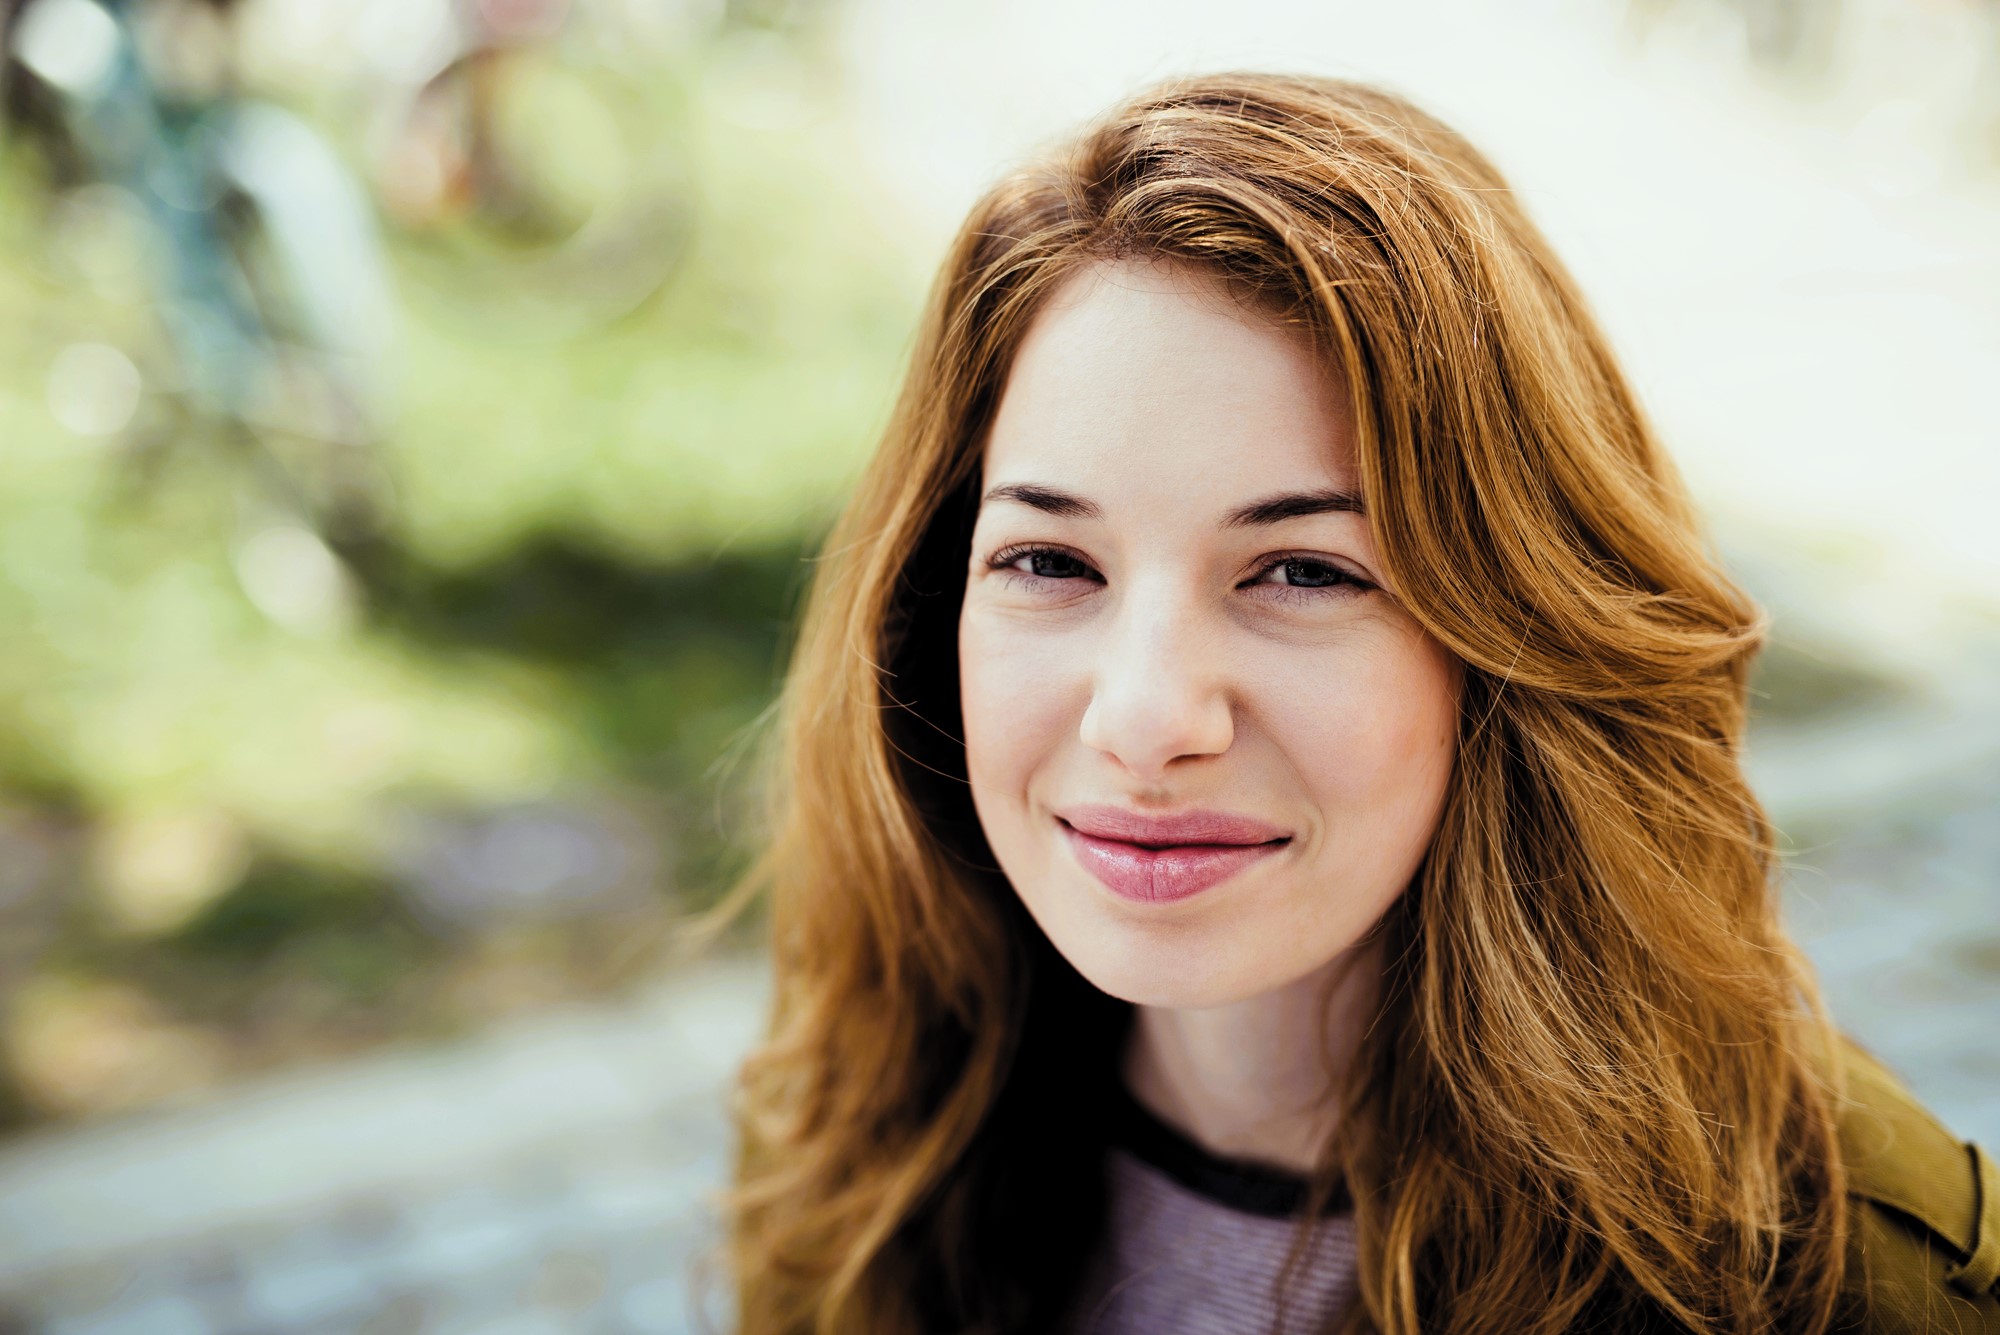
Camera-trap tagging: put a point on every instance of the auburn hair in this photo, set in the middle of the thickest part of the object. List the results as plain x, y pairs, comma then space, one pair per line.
1601, 1088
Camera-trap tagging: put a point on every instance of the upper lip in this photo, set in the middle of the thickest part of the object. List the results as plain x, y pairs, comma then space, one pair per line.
1186, 827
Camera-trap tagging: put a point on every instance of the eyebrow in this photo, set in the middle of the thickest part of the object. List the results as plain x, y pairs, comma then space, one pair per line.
1292, 505
1270, 510
1048, 500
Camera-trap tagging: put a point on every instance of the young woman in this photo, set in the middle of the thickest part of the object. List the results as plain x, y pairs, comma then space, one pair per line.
1259, 837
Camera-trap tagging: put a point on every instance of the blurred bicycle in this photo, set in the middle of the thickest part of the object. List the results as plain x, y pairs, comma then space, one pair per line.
265, 267
548, 193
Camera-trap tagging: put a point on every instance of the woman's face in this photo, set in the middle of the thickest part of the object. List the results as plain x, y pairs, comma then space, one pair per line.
1206, 744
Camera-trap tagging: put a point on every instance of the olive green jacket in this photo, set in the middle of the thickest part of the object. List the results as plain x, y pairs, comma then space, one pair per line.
1925, 1254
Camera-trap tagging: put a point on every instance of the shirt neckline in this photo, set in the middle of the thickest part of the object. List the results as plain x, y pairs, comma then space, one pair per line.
1241, 1184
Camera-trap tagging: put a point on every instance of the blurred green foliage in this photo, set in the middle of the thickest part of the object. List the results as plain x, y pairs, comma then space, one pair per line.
582, 595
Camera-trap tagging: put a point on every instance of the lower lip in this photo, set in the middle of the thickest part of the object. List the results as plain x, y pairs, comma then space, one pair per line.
1162, 875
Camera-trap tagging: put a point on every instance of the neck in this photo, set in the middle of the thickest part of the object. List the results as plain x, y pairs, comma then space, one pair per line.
1250, 1079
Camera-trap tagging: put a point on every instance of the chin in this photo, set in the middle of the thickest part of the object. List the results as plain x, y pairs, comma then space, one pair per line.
1169, 997
1148, 975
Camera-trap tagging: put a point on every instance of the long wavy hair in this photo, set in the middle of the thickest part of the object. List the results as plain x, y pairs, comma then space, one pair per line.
1601, 1088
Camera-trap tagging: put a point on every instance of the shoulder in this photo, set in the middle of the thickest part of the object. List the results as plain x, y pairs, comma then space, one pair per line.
1925, 1248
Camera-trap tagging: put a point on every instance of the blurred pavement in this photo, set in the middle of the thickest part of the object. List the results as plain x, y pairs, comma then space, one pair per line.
548, 1176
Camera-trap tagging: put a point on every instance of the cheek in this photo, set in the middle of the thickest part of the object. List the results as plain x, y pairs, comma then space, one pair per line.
1376, 743
1016, 698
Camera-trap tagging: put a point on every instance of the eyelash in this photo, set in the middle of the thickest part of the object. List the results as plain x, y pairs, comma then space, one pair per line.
1347, 586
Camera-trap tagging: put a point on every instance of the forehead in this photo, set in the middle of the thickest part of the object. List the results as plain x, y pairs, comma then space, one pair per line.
1144, 377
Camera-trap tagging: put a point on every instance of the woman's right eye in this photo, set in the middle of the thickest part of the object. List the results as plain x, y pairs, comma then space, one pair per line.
1035, 563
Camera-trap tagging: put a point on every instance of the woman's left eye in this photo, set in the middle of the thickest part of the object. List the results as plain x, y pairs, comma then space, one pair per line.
1304, 572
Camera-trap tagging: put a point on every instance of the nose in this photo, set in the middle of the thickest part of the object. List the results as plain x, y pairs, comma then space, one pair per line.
1159, 693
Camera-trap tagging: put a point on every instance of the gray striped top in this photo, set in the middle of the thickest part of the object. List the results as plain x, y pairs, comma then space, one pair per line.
1194, 1243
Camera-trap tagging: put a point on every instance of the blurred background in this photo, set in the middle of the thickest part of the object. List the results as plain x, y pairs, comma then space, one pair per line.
415, 417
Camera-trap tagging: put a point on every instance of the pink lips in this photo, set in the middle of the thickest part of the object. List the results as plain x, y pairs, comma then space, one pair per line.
1158, 859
